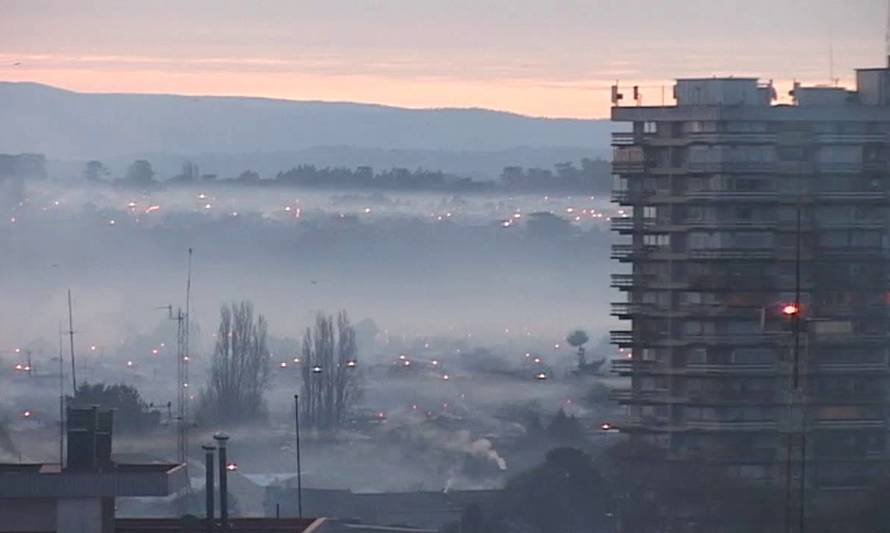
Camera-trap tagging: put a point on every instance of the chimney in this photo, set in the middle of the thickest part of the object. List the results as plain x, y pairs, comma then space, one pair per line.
89, 437
82, 422
221, 439
209, 488
104, 430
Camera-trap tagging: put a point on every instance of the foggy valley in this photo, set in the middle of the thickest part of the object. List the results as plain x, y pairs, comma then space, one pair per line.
511, 266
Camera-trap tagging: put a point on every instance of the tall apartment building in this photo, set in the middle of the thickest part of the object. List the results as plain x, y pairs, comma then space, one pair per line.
758, 236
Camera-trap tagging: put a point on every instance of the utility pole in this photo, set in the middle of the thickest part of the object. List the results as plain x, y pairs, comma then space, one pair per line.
71, 345
796, 423
299, 465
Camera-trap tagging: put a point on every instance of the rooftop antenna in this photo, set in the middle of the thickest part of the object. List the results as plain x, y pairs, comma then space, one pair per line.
71, 345
887, 39
834, 81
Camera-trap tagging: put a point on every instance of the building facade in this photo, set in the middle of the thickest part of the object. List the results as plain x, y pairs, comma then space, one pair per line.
756, 277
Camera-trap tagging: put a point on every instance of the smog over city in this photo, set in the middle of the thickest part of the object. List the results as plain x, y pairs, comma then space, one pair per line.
452, 266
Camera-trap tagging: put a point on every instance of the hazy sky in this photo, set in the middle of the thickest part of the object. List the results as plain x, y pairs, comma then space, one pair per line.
539, 57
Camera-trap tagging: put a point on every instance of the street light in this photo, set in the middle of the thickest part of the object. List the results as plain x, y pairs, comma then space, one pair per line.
790, 310
608, 427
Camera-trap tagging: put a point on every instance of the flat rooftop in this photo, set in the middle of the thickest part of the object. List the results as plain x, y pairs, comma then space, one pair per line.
48, 480
241, 525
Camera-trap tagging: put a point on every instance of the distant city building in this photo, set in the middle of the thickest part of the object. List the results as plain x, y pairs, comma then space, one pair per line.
758, 236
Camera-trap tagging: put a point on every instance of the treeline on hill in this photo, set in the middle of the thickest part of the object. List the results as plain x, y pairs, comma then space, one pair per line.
586, 176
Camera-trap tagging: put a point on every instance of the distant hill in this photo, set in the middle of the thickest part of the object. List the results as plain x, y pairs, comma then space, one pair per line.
67, 125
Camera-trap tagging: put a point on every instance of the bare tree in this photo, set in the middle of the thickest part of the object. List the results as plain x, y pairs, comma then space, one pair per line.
330, 378
239, 371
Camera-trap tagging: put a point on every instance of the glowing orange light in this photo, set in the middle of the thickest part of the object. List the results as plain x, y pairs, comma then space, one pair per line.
790, 310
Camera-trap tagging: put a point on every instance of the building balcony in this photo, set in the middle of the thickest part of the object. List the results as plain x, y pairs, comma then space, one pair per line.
629, 310
730, 368
729, 224
738, 196
631, 197
875, 166
624, 252
626, 309
864, 423
752, 167
730, 456
639, 396
856, 338
850, 138
733, 253
628, 252
870, 252
851, 367
627, 281
659, 425
765, 338
738, 282
838, 398
622, 224
648, 424
835, 167
629, 366
851, 196
622, 338
626, 396
727, 425
731, 138
629, 167
626, 225
626, 138
851, 224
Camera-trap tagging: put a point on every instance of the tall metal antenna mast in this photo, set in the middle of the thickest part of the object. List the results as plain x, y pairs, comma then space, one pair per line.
61, 400
184, 360
71, 345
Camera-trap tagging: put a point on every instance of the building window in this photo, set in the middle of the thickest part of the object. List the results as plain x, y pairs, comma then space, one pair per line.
657, 240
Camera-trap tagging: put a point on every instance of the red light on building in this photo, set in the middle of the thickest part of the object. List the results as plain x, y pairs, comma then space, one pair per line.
790, 310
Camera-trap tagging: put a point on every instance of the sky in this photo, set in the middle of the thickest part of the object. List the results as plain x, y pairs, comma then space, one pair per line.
553, 58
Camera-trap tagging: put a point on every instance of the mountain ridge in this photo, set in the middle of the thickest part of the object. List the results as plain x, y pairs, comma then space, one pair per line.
67, 124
